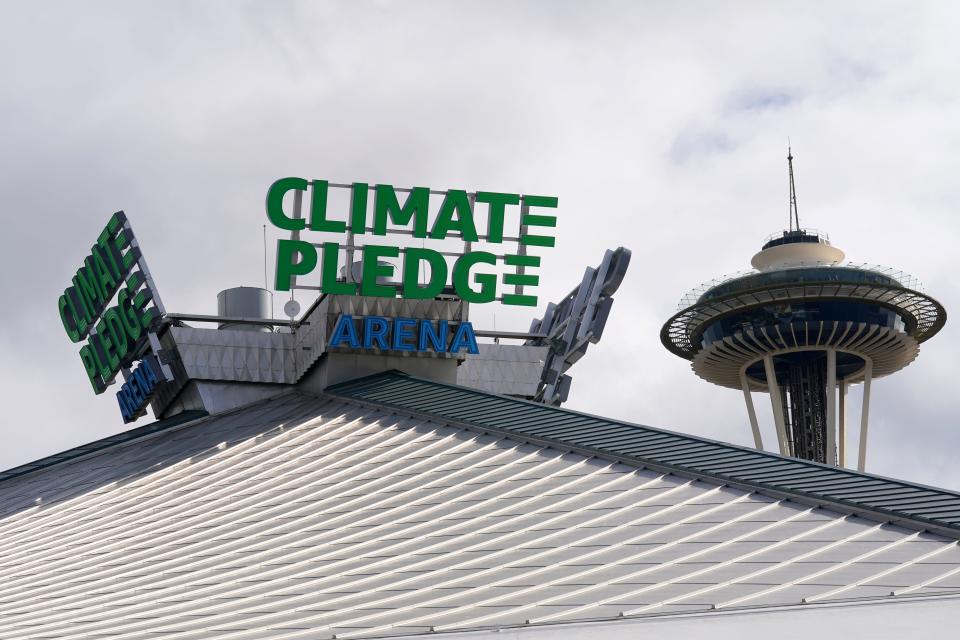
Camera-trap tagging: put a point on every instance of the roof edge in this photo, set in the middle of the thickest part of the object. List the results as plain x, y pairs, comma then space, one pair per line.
881, 600
74, 453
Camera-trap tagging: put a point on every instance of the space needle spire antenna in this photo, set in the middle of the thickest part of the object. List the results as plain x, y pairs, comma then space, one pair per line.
794, 216
803, 326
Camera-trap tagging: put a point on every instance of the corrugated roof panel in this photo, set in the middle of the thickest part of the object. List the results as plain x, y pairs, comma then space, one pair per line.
729, 460
673, 451
870, 490
920, 500
749, 464
783, 475
840, 485
583, 424
775, 470
647, 445
577, 429
546, 425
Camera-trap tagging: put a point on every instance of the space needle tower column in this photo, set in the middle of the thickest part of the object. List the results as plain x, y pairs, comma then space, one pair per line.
803, 326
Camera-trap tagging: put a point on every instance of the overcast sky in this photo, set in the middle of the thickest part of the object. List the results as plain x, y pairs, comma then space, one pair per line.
661, 127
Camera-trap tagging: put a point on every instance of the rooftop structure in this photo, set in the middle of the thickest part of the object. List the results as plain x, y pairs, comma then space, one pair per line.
804, 326
371, 469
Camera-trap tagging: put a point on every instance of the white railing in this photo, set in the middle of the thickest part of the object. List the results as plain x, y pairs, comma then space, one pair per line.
901, 277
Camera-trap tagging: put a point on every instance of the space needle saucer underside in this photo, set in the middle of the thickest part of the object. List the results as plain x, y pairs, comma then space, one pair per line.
722, 361
922, 315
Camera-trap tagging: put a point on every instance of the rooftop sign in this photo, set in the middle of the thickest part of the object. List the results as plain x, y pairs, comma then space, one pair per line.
114, 336
378, 211
403, 334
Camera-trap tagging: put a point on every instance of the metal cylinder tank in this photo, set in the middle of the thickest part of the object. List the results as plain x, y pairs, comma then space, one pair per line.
249, 303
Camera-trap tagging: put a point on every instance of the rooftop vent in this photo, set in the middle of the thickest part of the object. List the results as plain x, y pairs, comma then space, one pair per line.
248, 303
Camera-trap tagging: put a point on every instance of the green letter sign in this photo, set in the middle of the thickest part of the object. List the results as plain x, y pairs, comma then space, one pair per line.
115, 335
455, 218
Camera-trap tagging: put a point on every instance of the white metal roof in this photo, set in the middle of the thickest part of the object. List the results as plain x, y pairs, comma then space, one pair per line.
303, 517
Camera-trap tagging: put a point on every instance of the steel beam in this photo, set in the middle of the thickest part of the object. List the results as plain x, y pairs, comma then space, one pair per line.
865, 415
777, 403
842, 436
831, 448
757, 440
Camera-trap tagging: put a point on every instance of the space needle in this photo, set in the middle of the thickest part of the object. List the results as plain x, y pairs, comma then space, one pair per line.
803, 326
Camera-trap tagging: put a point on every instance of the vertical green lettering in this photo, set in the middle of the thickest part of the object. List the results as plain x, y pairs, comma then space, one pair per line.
110, 358
455, 215
118, 334
76, 306
99, 357
372, 269
386, 206
411, 270
487, 281
129, 316
275, 204
124, 240
318, 210
528, 219
107, 253
358, 207
331, 264
68, 318
90, 365
107, 282
294, 258
85, 285
144, 315
496, 212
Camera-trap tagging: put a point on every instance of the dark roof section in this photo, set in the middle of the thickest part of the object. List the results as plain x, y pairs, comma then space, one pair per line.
98, 445
913, 505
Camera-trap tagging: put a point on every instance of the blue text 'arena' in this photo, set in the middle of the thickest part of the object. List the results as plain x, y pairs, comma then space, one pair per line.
403, 334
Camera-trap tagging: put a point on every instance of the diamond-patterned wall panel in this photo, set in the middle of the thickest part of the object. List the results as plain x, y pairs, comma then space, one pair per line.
253, 356
504, 368
311, 336
428, 309
238, 356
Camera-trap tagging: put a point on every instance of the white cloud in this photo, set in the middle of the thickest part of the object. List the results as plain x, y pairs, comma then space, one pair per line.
660, 127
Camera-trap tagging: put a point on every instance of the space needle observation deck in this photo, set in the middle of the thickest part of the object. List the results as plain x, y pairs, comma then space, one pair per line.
803, 325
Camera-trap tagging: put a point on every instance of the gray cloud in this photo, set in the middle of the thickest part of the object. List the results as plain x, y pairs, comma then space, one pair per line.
662, 128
